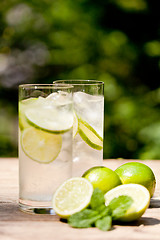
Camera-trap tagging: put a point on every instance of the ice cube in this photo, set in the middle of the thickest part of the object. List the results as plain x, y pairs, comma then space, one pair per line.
90, 108
59, 98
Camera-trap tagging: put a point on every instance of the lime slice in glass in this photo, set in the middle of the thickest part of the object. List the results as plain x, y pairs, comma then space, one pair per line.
41, 146
140, 196
23, 105
72, 196
75, 124
89, 135
49, 119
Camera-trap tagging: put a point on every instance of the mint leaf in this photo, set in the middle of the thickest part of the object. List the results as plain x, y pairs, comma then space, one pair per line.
83, 219
119, 206
104, 223
88, 217
100, 215
97, 199
104, 211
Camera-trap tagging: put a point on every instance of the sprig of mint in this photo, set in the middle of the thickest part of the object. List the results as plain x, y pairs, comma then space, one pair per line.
98, 214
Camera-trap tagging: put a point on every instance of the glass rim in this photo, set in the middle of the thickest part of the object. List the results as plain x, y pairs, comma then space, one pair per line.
78, 82
46, 86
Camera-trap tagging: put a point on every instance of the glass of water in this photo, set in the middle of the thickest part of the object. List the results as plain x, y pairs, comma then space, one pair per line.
88, 101
45, 143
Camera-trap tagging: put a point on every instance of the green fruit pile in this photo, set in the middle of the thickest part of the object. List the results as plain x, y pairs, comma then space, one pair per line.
131, 172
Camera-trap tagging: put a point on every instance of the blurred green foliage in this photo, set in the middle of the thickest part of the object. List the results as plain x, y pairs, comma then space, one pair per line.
116, 41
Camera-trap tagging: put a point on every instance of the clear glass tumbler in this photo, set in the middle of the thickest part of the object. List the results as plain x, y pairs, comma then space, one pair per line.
45, 143
88, 101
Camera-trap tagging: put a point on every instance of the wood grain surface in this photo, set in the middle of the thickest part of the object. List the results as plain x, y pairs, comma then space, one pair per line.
16, 225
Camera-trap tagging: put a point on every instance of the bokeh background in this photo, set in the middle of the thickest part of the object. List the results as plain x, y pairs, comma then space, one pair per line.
116, 41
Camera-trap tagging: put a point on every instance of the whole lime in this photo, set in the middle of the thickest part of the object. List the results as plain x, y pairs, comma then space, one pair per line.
136, 172
102, 177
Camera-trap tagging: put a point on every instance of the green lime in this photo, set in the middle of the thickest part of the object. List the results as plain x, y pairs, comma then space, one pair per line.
103, 178
72, 196
135, 172
140, 196
89, 135
41, 146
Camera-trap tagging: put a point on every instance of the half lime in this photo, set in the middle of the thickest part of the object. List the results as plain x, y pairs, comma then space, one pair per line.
140, 196
72, 196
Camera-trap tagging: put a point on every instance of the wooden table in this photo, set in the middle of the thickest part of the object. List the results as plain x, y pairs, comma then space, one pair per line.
16, 225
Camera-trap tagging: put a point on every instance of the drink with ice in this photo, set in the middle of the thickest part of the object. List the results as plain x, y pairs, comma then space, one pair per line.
45, 144
88, 102
88, 141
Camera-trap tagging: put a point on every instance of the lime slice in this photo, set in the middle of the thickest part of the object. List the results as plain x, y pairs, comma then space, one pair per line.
72, 196
75, 124
49, 119
89, 135
23, 105
140, 196
41, 146
23, 121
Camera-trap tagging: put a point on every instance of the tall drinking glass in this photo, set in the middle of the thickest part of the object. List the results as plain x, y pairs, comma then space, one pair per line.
45, 143
88, 100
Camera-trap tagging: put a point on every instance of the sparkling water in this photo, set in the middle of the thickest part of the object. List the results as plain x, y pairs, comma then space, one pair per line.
39, 180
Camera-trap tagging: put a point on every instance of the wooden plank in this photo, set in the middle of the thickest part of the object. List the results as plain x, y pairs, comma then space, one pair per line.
16, 225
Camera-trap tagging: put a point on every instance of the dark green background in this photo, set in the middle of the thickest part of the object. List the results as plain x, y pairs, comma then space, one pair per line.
116, 41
